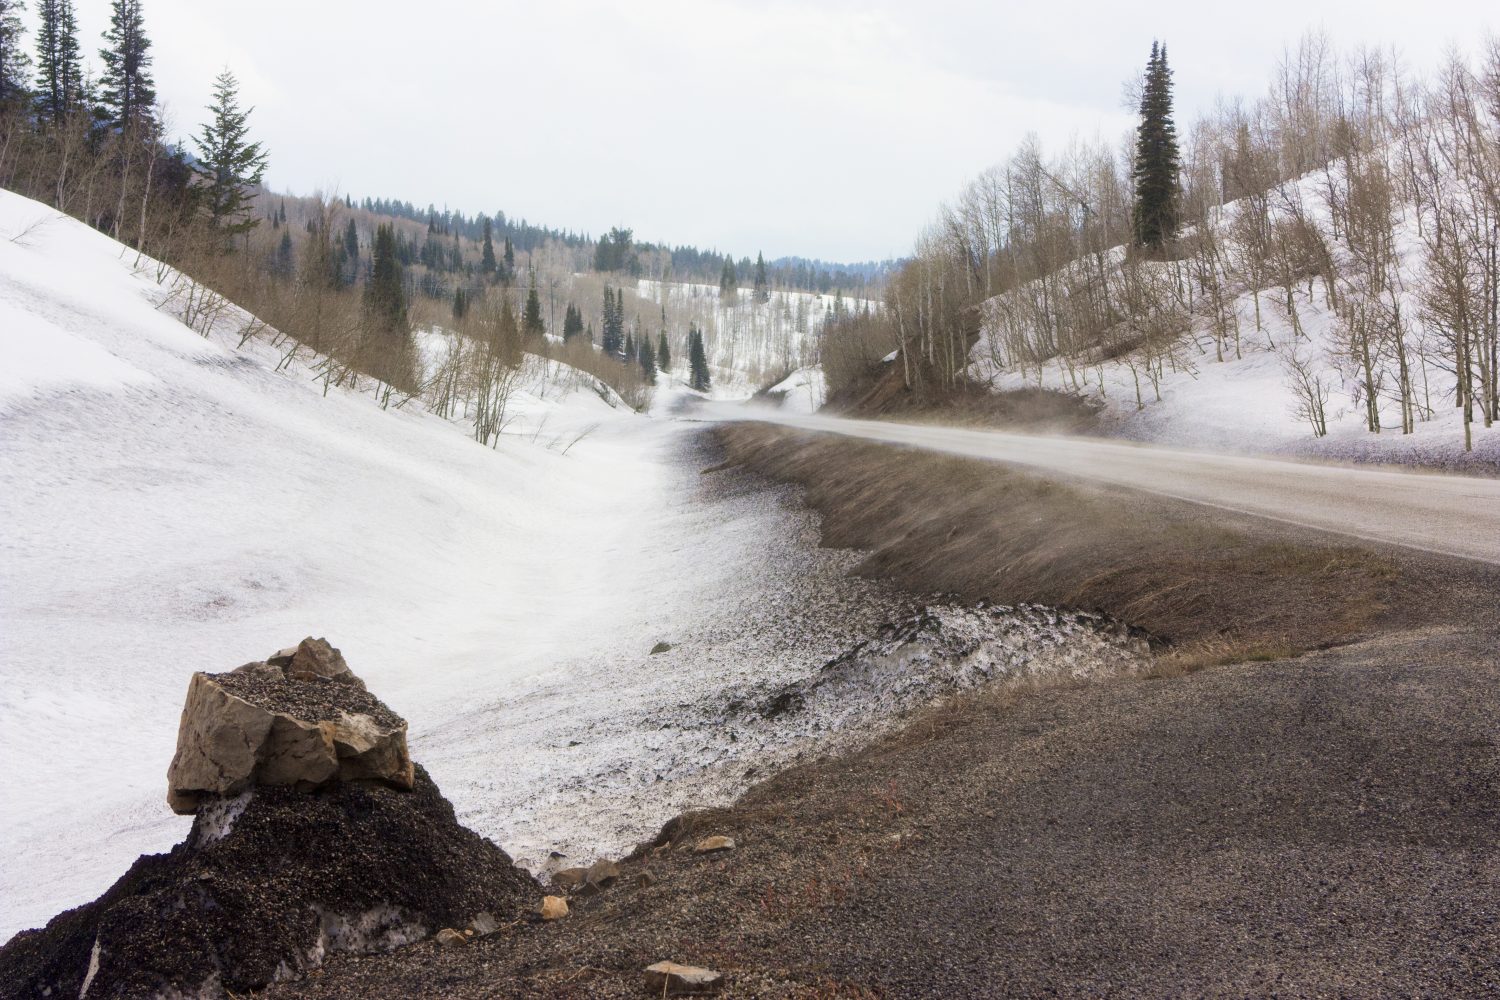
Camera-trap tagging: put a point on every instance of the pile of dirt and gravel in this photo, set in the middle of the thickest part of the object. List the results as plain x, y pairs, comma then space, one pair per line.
313, 834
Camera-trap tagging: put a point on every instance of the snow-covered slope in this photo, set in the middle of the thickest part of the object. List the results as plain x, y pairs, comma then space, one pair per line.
748, 340
1235, 390
170, 504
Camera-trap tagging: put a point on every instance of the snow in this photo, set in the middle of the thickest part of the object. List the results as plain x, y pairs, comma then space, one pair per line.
173, 502
1244, 401
803, 391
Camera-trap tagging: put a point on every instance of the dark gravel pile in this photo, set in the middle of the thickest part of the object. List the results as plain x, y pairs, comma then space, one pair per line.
355, 866
311, 701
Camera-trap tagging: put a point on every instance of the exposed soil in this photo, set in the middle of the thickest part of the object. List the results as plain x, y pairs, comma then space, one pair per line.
263, 881
1313, 826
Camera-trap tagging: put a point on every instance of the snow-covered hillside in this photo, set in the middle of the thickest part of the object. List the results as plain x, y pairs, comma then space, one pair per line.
172, 503
747, 341
1239, 377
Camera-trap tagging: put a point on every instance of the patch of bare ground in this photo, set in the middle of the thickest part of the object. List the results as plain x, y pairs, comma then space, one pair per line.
1313, 826
1213, 587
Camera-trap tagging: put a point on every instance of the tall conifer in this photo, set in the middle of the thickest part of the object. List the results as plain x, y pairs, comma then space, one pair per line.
13, 59
230, 165
59, 70
128, 93
1157, 158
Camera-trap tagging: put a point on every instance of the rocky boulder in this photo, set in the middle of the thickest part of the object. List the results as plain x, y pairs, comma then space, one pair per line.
326, 838
300, 718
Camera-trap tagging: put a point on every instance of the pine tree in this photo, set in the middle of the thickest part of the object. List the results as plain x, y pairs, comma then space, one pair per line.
283, 264
59, 70
128, 94
385, 298
762, 283
460, 303
612, 337
231, 166
646, 358
510, 260
1157, 159
663, 353
572, 322
728, 281
13, 59
350, 253
629, 351
531, 317
698, 376
487, 263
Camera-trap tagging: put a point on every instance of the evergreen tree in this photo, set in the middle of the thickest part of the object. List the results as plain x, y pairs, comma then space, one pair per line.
13, 59
385, 297
728, 281
612, 339
510, 260
230, 165
351, 248
283, 264
646, 358
762, 283
572, 322
460, 303
531, 317
663, 353
59, 70
698, 376
629, 351
128, 94
487, 263
1157, 159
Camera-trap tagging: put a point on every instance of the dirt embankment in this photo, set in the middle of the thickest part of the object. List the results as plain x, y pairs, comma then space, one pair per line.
1212, 587
1312, 826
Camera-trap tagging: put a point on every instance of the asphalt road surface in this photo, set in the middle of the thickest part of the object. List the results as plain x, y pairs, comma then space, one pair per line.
1433, 512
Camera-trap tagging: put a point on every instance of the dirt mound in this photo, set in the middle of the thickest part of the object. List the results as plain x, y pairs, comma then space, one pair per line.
265, 885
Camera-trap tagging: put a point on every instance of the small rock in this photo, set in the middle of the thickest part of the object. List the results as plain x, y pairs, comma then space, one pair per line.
570, 878
602, 873
484, 924
709, 845
261, 671
671, 979
317, 659
282, 658
661, 647
554, 908
448, 937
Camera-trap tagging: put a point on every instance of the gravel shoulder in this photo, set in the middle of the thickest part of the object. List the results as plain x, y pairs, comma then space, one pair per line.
1312, 825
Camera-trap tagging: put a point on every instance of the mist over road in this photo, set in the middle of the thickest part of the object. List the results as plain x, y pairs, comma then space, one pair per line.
1445, 514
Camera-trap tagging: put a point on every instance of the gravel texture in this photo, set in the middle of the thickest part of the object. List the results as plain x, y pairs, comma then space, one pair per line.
1314, 826
311, 701
267, 889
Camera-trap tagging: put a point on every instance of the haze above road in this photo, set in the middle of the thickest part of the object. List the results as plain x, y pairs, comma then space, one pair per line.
1446, 514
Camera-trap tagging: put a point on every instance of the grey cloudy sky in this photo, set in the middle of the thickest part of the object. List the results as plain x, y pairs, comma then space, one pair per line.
829, 128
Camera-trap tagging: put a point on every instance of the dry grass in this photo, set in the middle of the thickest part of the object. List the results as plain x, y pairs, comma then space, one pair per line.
1213, 588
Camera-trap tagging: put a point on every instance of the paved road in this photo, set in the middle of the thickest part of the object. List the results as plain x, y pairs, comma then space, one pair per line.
1446, 514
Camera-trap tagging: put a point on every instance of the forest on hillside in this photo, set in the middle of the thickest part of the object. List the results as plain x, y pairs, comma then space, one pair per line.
1354, 198
358, 282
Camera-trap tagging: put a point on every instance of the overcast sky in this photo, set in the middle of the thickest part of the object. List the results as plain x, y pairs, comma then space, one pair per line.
830, 128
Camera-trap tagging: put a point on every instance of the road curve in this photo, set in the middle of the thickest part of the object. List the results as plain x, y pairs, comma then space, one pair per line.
1446, 514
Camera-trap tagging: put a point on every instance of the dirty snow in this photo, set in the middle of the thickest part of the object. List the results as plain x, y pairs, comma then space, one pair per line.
173, 503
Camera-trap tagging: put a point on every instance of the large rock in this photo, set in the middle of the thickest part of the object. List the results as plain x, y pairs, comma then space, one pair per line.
264, 887
301, 718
